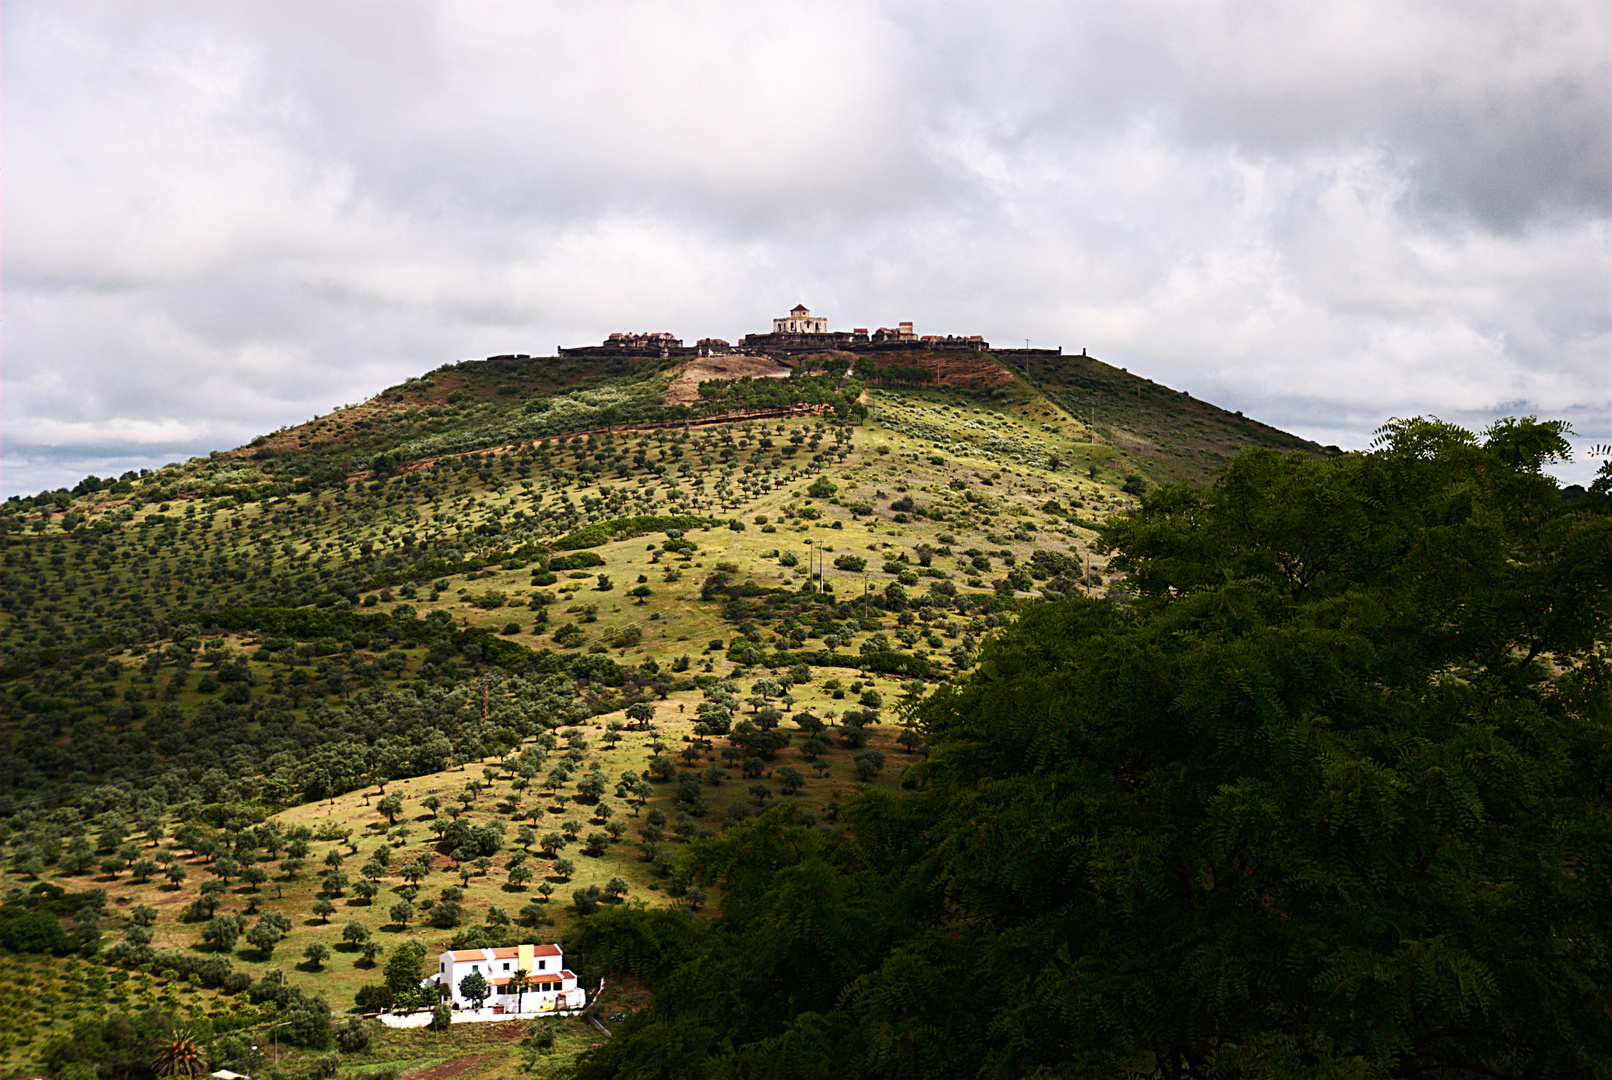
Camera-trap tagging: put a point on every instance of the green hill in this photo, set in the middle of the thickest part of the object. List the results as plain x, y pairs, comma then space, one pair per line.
536, 593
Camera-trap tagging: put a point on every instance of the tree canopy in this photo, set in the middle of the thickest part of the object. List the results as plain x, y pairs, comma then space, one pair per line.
1328, 797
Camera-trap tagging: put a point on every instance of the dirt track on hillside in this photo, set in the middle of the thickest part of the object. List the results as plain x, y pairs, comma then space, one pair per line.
685, 389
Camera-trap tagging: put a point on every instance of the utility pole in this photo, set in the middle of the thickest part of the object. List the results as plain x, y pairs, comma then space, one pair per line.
484, 701
276, 1025
865, 588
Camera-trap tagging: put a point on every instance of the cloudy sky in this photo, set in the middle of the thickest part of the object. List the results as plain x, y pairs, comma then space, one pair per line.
221, 218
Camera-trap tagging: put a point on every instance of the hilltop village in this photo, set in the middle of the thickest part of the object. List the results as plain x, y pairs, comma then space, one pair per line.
799, 331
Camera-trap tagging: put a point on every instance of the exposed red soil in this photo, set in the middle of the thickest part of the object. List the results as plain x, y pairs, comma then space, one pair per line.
955, 368
457, 1067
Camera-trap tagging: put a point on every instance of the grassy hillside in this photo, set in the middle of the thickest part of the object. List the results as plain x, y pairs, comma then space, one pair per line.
515, 596
1167, 433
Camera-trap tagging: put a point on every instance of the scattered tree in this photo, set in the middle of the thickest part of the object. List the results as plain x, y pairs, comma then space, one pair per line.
474, 988
222, 931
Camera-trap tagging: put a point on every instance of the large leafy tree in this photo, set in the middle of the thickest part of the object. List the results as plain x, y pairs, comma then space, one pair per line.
1328, 798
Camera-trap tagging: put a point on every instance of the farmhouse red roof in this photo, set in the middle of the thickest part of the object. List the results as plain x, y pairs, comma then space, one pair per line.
502, 953
541, 976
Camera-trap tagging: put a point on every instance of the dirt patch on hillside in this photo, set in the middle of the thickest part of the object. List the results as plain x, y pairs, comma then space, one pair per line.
458, 1066
966, 369
685, 388
970, 369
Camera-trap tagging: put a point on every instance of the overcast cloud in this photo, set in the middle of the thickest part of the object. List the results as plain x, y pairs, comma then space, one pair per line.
223, 218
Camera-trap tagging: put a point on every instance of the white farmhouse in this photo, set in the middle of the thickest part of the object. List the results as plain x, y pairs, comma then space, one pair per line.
800, 321
548, 986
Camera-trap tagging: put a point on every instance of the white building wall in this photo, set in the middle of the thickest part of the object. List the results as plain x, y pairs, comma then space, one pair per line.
800, 321
493, 967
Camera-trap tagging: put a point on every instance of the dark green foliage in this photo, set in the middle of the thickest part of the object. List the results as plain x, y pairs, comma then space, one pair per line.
750, 393
120, 1044
891, 369
355, 1036
889, 662
646, 942
405, 968
222, 931
266, 934
589, 900
474, 987
34, 931
48, 918
582, 560
1327, 799
821, 488
373, 997
475, 841
307, 1022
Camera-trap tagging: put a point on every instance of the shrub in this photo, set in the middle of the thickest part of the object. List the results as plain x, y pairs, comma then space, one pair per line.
35, 931
307, 1021
582, 560
373, 997
869, 763
355, 1037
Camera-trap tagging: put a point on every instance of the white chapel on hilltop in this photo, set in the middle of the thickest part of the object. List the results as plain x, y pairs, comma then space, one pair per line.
800, 321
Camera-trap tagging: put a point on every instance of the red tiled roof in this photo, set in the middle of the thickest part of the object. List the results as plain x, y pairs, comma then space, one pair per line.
509, 952
539, 977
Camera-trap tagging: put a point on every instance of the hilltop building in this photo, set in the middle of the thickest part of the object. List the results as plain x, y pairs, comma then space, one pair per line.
799, 331
800, 321
632, 344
